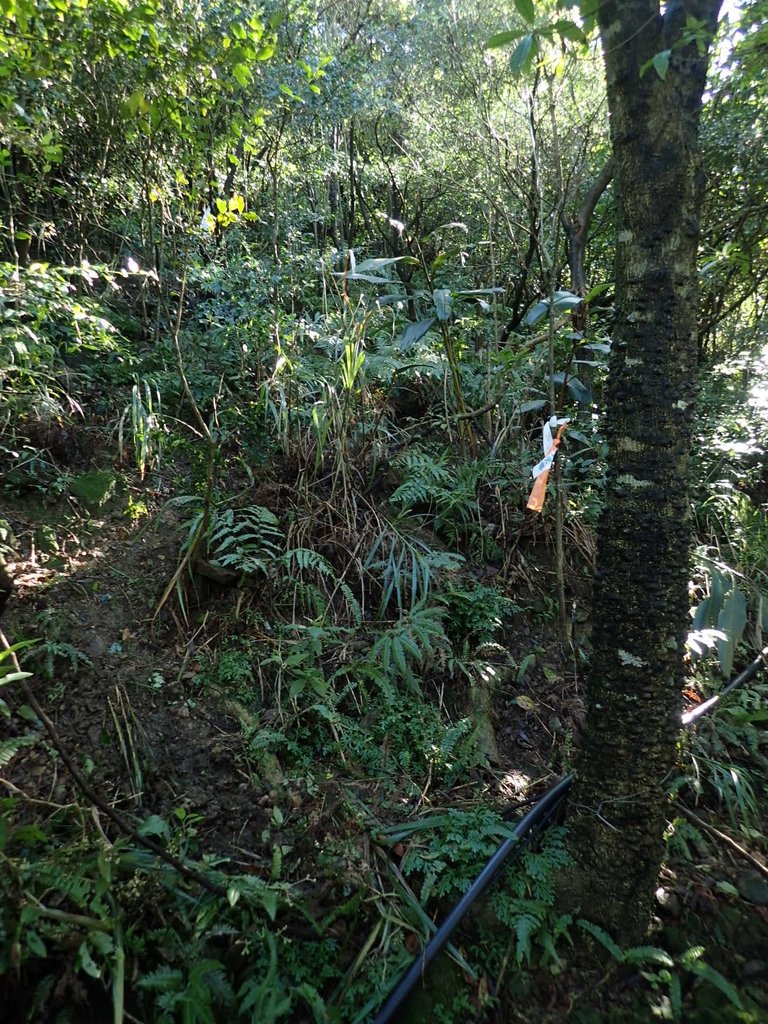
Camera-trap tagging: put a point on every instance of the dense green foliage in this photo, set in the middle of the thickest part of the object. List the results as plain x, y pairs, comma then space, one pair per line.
297, 285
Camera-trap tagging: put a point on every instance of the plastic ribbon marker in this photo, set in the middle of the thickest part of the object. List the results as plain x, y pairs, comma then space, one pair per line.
540, 471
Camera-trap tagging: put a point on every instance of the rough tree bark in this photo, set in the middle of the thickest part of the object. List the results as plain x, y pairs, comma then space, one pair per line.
640, 597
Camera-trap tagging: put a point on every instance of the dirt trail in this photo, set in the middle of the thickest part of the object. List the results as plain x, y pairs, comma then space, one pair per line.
118, 682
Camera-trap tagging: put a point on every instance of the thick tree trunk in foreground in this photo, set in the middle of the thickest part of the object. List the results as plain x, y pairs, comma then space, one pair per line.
640, 599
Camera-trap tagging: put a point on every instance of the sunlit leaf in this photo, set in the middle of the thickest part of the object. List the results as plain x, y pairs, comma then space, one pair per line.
569, 30
523, 55
526, 10
443, 300
732, 620
377, 264
502, 38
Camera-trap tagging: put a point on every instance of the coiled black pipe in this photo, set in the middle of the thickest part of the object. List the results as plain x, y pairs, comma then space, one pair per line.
536, 818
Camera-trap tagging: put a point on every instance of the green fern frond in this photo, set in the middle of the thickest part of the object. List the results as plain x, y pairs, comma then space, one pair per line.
66, 879
602, 937
307, 559
409, 568
418, 635
245, 539
162, 979
425, 479
10, 748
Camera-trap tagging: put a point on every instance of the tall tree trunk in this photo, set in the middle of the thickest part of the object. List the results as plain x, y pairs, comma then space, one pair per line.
640, 598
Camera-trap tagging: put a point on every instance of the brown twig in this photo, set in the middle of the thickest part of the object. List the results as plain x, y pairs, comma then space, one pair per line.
730, 843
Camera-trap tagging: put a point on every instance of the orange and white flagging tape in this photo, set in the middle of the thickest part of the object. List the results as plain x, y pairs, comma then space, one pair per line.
541, 474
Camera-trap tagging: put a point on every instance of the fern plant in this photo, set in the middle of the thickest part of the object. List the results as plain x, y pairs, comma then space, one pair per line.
191, 996
417, 636
662, 970
246, 540
442, 492
525, 903
408, 567
297, 563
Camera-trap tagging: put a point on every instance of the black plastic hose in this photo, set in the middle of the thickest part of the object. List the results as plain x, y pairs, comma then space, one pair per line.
741, 678
538, 815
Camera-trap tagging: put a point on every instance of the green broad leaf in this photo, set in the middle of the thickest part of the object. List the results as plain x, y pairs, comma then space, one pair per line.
451, 225
35, 944
533, 406
243, 74
23, 644
388, 300
14, 677
569, 30
353, 275
599, 289
502, 38
597, 346
526, 10
467, 293
523, 55
237, 204
320, 685
86, 963
537, 312
732, 620
265, 52
137, 103
154, 825
564, 300
661, 63
377, 264
727, 887
443, 300
561, 301
704, 615
579, 391
221, 205
719, 586
287, 91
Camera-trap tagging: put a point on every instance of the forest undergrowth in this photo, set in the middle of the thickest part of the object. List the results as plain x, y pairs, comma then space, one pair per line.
292, 302
300, 639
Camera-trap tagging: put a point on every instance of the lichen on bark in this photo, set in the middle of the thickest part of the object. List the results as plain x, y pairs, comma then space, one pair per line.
640, 592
